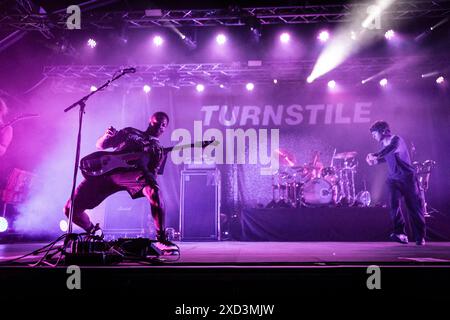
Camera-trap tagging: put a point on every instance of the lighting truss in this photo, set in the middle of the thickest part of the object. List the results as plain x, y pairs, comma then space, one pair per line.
400, 10
72, 77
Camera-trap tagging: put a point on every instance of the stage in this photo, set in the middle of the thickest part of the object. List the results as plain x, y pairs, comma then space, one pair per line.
282, 274
296, 254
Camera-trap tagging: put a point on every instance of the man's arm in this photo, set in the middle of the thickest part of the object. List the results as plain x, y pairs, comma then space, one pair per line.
111, 139
6, 136
390, 148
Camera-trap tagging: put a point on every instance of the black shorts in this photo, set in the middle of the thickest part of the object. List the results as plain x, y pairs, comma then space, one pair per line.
92, 191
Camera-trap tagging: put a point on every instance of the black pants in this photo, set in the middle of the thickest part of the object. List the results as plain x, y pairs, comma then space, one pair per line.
407, 188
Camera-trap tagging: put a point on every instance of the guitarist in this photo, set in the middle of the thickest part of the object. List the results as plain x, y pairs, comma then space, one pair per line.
6, 132
138, 183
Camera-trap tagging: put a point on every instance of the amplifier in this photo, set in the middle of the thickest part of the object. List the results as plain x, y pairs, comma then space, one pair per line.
127, 217
200, 205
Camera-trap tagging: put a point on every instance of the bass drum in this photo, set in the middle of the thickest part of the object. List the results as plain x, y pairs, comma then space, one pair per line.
318, 192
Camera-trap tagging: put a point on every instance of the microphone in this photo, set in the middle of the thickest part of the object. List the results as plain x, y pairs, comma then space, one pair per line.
129, 70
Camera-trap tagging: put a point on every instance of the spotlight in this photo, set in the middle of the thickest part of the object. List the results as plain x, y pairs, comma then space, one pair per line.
363, 81
63, 225
93, 88
323, 36
275, 81
157, 41
383, 82
91, 43
331, 84
249, 86
3, 224
200, 87
389, 34
221, 86
221, 39
310, 79
285, 37
146, 88
353, 35
440, 80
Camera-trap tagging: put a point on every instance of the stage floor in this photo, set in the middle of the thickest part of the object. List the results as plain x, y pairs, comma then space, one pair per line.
285, 253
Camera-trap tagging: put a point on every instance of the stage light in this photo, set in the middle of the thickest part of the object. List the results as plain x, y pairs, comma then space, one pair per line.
310, 79
93, 88
389, 34
285, 37
221, 86
3, 224
200, 87
146, 88
363, 81
323, 36
353, 35
275, 81
249, 86
440, 80
91, 43
63, 225
221, 39
157, 41
331, 84
383, 82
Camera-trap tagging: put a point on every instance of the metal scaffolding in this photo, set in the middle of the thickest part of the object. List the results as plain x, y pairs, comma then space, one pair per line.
233, 16
73, 77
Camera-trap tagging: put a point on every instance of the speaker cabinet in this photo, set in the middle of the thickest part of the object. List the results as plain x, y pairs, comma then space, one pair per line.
125, 216
200, 205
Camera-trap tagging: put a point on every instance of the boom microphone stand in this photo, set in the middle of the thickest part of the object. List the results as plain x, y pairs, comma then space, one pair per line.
82, 104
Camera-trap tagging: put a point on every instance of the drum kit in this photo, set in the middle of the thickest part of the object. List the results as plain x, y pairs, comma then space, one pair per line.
314, 185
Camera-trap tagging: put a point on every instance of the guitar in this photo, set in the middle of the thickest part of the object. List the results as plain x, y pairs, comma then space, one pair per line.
18, 118
104, 162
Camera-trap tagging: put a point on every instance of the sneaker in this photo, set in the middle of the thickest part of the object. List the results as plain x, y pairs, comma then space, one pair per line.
165, 247
400, 237
420, 242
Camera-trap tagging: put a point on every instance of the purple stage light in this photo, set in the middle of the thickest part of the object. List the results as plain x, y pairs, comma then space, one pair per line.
249, 86
440, 80
383, 82
323, 36
147, 88
91, 43
285, 37
3, 224
63, 225
331, 84
389, 34
221, 39
158, 41
310, 79
93, 88
275, 81
221, 86
200, 87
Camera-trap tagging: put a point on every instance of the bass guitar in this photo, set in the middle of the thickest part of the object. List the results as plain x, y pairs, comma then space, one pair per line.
105, 162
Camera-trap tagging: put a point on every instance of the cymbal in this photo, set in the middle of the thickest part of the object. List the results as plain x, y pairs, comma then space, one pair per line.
345, 155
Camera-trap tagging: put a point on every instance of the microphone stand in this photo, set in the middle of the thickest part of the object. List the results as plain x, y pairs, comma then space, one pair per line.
82, 104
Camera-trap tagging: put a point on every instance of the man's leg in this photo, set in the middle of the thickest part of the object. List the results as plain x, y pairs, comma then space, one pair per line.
157, 209
395, 207
89, 194
413, 203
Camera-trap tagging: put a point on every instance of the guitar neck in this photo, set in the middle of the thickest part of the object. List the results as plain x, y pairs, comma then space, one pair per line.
183, 146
